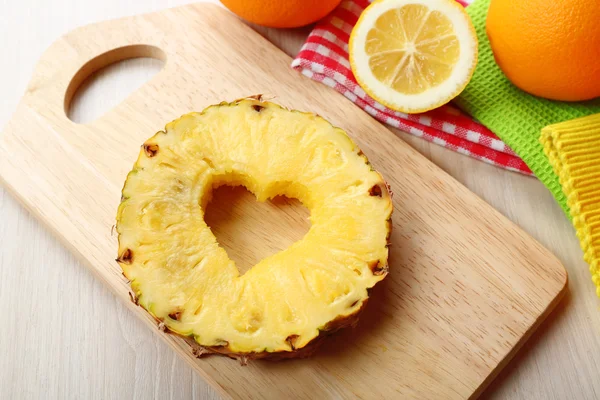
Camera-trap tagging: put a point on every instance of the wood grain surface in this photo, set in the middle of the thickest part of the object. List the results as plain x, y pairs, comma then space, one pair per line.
22, 249
466, 286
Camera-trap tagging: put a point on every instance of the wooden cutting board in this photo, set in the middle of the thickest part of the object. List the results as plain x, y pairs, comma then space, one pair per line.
466, 286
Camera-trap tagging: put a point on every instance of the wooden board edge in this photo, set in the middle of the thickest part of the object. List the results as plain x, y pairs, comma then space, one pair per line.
517, 347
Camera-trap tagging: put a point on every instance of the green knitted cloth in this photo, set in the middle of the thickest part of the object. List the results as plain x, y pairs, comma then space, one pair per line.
515, 116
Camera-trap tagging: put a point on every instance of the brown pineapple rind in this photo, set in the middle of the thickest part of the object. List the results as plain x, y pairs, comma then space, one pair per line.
199, 351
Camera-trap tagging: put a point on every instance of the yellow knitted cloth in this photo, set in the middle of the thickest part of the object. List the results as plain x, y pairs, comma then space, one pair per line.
573, 148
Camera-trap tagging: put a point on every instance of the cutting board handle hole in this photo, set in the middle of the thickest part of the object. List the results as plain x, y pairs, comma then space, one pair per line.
112, 75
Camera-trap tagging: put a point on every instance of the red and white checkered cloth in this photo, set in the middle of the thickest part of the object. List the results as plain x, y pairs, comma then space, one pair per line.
324, 58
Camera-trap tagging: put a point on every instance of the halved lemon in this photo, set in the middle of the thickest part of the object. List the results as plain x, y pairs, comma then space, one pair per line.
413, 55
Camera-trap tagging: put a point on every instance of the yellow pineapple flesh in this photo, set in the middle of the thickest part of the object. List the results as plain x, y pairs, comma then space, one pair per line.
184, 278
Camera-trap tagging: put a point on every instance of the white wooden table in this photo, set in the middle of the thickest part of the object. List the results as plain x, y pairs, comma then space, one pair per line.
65, 336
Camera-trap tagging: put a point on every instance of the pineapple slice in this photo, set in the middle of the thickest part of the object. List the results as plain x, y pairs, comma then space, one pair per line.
181, 275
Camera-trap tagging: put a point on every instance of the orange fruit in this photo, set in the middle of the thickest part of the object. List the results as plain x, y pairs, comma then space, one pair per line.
548, 48
281, 13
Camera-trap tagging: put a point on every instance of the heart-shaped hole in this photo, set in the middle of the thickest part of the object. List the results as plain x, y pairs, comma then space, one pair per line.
250, 230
